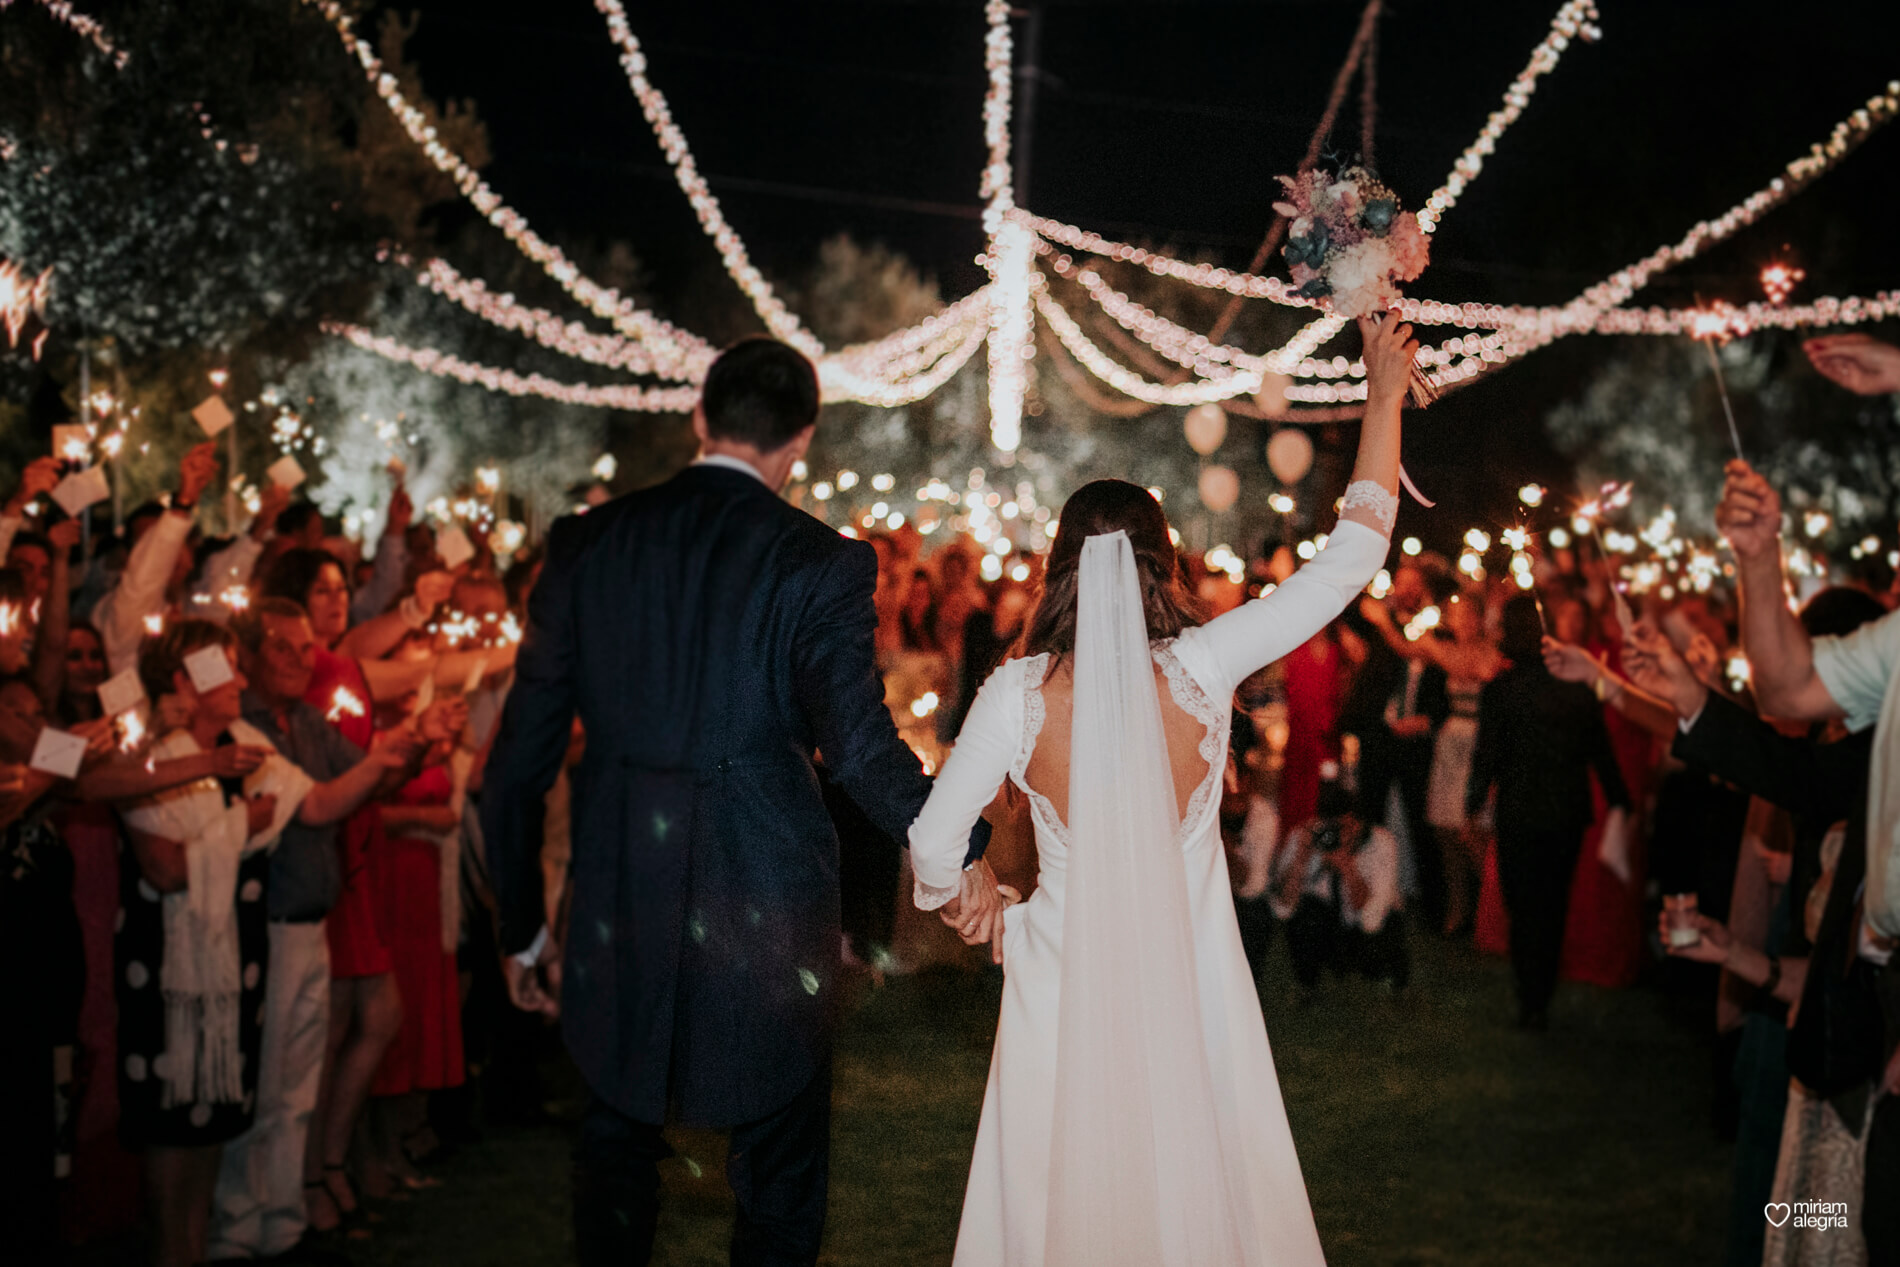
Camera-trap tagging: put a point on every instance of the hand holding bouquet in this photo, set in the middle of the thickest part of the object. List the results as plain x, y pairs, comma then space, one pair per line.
1350, 245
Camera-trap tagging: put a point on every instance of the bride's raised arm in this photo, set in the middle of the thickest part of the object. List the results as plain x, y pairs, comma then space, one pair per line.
1260, 632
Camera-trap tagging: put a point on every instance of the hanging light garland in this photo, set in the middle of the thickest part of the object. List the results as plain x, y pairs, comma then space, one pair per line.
604, 302
683, 357
618, 396
771, 309
1576, 19
1011, 256
910, 363
1126, 381
82, 26
903, 391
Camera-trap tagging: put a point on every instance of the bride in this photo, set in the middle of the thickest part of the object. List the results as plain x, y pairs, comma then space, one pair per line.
1133, 1117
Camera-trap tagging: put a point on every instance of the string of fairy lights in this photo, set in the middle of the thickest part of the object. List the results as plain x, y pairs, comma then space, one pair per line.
1018, 292
1001, 316
84, 27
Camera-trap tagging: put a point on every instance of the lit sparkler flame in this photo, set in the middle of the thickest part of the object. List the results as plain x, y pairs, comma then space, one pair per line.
131, 729
154, 625
1778, 281
1713, 324
21, 298
236, 599
344, 703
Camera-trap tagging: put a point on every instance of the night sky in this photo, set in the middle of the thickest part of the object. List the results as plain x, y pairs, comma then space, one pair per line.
1167, 122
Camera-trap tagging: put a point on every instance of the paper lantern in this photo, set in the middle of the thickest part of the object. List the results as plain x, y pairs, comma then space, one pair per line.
1206, 427
1290, 454
1220, 488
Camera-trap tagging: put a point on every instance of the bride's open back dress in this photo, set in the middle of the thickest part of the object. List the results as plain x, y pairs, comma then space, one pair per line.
1133, 1117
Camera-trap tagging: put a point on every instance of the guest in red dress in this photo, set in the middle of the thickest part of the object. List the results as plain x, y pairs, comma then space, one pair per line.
1314, 688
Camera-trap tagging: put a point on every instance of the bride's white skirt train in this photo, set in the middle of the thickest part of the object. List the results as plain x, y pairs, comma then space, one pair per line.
1005, 1207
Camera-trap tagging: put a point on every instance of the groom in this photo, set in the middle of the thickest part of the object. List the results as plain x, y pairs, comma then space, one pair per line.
712, 638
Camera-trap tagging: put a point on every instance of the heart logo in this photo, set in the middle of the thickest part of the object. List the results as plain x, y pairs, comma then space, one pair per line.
1774, 1207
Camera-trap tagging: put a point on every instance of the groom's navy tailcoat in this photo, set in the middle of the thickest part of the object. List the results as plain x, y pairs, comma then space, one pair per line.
710, 638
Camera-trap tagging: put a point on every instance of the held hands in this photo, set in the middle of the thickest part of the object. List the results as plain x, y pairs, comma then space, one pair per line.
1749, 515
1858, 362
1389, 354
977, 911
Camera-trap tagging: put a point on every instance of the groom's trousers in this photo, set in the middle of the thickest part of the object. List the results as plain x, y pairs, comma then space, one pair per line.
778, 1167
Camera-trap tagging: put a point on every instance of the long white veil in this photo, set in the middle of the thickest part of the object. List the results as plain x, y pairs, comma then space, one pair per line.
1133, 1179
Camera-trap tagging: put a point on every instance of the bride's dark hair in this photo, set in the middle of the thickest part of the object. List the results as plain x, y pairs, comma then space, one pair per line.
1102, 507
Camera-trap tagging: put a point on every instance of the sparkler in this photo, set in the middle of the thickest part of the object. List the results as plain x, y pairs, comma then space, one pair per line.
154, 625
131, 728
344, 703
1708, 326
1612, 496
1778, 281
21, 298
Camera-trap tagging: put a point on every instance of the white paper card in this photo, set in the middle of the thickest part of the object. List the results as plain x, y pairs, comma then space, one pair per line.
286, 472
121, 693
80, 490
59, 753
453, 545
213, 415
210, 668
71, 443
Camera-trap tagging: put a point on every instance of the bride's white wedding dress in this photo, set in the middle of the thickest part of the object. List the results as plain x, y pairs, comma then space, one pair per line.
1133, 1116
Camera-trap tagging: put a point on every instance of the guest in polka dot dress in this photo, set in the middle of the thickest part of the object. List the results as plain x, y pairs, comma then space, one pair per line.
191, 950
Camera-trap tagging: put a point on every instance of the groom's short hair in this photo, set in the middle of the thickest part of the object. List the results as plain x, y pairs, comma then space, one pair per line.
760, 392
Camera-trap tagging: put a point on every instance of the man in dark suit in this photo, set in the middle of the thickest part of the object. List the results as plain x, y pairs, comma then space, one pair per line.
711, 638
1539, 739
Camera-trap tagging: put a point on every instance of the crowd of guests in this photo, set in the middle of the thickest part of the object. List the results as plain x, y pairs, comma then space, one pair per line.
1577, 778
253, 973
254, 960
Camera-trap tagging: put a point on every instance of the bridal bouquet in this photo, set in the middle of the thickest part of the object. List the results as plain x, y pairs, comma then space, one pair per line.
1350, 245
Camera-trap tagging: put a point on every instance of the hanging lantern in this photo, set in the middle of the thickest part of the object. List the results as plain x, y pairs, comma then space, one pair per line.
1220, 488
1206, 427
1290, 454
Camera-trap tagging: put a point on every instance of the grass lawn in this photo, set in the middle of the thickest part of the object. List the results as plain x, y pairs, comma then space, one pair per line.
1429, 1130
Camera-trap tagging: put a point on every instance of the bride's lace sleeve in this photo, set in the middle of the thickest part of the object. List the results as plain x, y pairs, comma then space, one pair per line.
1260, 632
976, 768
